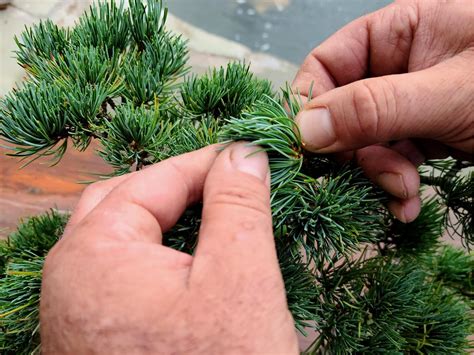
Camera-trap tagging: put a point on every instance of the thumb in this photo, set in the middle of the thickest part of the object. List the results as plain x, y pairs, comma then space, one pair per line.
236, 239
433, 103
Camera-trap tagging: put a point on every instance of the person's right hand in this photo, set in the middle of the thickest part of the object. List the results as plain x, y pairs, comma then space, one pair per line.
396, 86
110, 286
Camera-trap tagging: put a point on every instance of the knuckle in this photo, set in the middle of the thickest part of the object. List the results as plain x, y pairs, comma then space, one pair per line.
181, 176
366, 110
375, 105
403, 19
92, 190
241, 193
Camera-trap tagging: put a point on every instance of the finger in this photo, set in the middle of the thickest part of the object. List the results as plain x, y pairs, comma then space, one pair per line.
376, 44
236, 237
395, 107
435, 150
390, 170
410, 151
405, 211
91, 197
151, 201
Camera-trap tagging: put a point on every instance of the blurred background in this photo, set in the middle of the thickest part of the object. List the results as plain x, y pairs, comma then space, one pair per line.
273, 35
288, 29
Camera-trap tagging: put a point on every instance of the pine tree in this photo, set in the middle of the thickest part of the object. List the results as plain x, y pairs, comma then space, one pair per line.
364, 282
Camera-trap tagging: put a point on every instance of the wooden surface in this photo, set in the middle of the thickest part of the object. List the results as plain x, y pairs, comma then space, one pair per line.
39, 187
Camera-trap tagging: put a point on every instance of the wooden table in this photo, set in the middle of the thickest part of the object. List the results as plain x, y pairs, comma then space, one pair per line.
39, 187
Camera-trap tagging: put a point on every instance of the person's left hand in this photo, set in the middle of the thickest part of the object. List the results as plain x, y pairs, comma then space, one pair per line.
111, 287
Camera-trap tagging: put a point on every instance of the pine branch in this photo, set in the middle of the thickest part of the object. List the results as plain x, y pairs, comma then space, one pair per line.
41, 42
106, 26
116, 76
147, 21
224, 93
154, 71
190, 135
22, 257
302, 291
387, 307
135, 136
453, 268
418, 237
454, 183
34, 120
328, 216
19, 306
269, 126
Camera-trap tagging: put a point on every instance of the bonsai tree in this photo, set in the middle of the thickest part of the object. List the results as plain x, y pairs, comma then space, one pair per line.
354, 276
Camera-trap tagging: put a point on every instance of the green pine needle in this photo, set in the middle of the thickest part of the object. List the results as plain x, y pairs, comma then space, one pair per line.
41, 42
154, 71
453, 180
268, 126
224, 93
328, 216
21, 260
418, 237
134, 135
34, 120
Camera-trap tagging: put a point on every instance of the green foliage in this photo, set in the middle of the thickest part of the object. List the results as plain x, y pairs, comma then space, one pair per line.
418, 237
36, 235
267, 124
223, 93
453, 180
382, 306
34, 120
147, 21
184, 235
153, 72
22, 257
41, 42
105, 26
330, 215
363, 281
133, 135
453, 268
301, 288
191, 135
19, 306
443, 323
82, 66
78, 77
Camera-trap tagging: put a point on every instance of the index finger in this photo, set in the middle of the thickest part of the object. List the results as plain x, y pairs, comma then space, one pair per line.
150, 202
373, 45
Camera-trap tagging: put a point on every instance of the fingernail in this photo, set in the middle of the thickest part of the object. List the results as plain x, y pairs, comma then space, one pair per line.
396, 208
393, 183
317, 130
248, 159
411, 210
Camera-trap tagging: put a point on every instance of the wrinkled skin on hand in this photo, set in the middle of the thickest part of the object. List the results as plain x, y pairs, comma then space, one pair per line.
111, 287
392, 89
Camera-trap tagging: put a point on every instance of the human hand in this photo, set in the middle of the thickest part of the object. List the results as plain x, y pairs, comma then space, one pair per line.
111, 287
396, 86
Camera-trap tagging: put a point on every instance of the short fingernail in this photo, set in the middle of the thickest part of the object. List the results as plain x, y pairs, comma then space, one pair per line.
248, 159
411, 212
316, 127
393, 183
